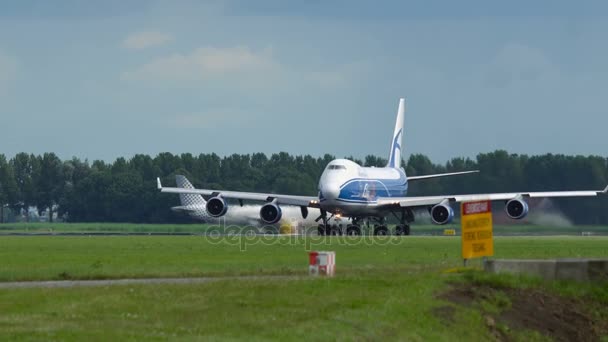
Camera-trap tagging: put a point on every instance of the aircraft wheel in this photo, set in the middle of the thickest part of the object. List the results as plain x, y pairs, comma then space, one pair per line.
402, 229
321, 230
399, 229
353, 230
380, 231
335, 230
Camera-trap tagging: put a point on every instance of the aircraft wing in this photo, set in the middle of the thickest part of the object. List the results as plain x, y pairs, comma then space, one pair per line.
413, 178
302, 201
424, 201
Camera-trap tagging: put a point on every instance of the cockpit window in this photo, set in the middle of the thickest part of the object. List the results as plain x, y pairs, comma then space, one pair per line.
336, 167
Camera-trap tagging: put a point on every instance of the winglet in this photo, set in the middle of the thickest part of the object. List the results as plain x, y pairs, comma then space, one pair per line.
158, 185
605, 190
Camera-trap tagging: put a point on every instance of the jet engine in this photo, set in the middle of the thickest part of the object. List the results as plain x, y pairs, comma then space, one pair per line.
516, 208
442, 213
270, 213
216, 206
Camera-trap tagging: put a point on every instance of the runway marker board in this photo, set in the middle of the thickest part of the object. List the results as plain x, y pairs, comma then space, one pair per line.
477, 236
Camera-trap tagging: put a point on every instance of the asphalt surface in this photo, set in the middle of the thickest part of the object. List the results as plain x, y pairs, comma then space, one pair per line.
414, 233
111, 282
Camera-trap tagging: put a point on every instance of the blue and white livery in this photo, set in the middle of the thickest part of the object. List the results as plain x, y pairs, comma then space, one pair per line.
349, 190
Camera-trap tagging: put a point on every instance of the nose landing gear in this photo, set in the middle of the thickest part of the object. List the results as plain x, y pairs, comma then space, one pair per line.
354, 229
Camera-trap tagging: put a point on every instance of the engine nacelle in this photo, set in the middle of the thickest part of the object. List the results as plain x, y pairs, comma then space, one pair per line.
442, 213
270, 213
517, 208
216, 206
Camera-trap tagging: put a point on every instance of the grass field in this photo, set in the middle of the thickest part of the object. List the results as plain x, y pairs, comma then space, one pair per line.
384, 288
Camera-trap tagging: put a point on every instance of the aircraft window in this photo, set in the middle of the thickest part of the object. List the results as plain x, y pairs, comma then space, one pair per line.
337, 167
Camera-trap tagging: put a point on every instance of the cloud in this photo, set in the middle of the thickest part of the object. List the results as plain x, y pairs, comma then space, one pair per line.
205, 63
146, 39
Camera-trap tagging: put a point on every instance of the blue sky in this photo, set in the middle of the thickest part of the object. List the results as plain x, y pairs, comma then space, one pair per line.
104, 79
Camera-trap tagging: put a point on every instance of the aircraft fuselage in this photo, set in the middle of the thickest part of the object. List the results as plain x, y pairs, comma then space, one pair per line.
348, 189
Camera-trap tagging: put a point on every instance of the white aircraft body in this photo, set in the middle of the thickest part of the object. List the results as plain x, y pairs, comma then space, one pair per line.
350, 190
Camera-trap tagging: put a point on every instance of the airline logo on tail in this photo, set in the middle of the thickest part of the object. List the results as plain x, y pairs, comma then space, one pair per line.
394, 159
396, 151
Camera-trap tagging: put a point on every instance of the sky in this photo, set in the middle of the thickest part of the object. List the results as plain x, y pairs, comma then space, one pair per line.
113, 78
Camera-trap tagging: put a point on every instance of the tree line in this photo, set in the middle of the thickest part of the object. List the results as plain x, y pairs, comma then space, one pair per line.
125, 190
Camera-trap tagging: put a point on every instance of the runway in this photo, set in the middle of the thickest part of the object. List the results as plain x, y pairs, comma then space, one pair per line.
134, 281
435, 233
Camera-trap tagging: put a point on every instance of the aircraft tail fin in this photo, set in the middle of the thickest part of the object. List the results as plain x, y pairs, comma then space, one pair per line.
394, 157
188, 199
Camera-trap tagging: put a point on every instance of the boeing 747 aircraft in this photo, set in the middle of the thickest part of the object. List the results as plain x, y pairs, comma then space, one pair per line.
349, 190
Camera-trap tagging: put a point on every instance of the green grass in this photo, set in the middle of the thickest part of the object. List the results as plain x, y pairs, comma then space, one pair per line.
377, 306
385, 290
45, 227
61, 257
590, 291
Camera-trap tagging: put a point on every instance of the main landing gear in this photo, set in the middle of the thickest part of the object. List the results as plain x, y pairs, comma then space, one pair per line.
403, 228
354, 228
380, 229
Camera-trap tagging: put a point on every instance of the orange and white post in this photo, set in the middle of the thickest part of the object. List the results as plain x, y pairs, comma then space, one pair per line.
322, 263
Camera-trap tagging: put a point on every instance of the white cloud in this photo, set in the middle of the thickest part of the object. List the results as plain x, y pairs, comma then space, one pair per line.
146, 39
204, 63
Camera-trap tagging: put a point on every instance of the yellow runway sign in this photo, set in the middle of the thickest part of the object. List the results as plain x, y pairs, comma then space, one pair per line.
477, 239
449, 232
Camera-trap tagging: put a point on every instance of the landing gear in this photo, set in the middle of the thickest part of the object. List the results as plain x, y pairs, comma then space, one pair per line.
402, 229
335, 230
321, 230
353, 230
324, 228
380, 230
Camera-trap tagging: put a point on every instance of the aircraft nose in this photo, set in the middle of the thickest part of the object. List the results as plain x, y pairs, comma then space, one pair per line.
331, 192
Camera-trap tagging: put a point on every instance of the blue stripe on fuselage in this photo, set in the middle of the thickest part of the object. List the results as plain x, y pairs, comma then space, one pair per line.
367, 190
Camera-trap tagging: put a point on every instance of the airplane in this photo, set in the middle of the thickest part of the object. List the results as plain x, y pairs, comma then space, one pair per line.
352, 191
195, 206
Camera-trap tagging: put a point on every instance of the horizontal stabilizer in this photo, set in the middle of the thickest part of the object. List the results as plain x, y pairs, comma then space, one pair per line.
188, 208
410, 178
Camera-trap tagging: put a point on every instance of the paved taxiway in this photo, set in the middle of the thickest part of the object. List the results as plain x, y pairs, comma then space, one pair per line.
109, 282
